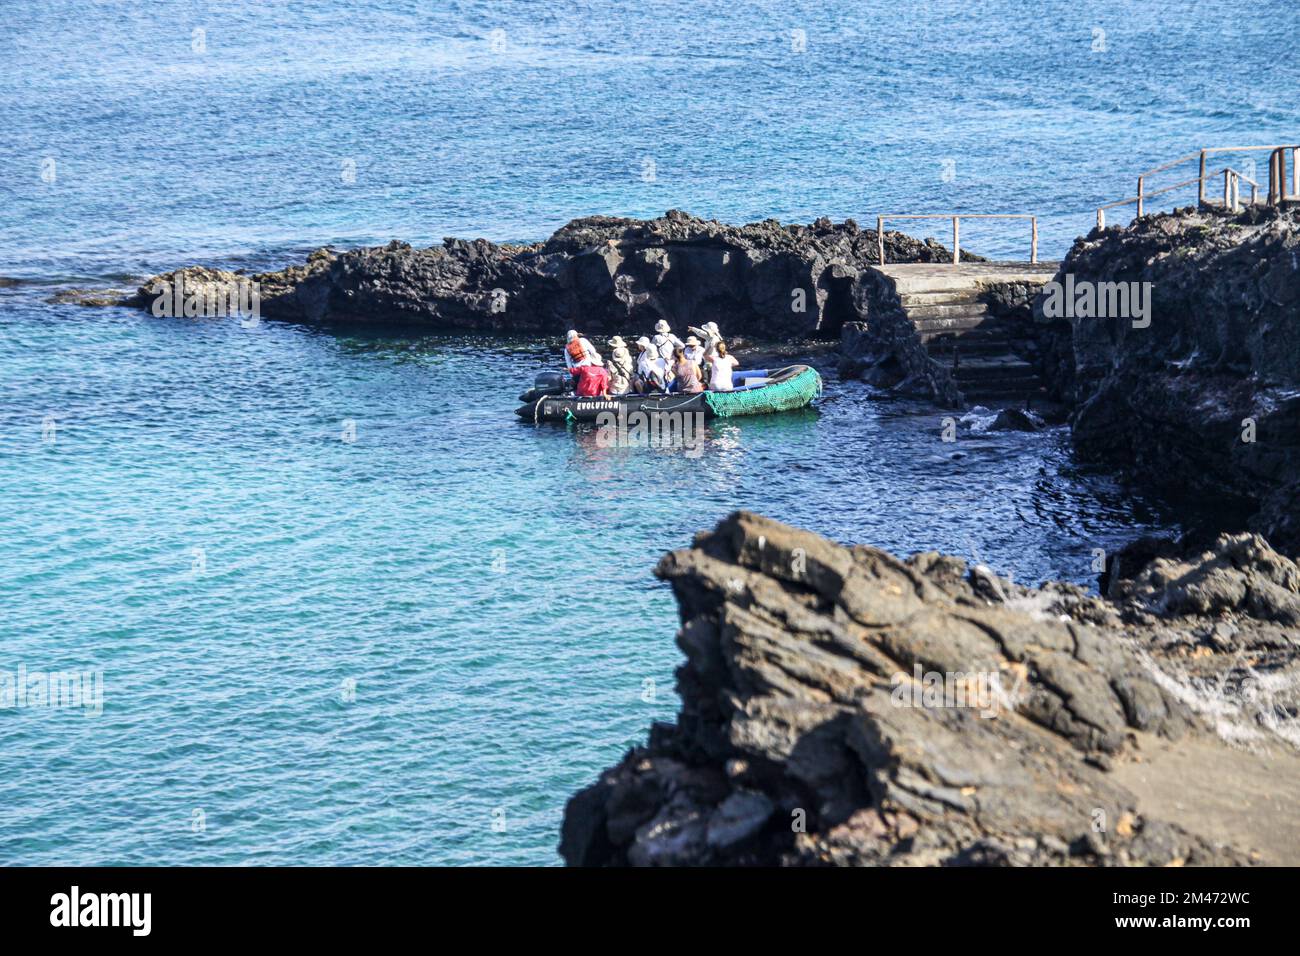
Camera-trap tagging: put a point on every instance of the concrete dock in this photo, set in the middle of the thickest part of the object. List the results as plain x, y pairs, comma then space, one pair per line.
959, 313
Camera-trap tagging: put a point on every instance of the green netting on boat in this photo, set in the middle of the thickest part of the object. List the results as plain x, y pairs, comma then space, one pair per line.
795, 392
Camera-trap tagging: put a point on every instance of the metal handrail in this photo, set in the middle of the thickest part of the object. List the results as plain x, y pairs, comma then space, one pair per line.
956, 229
1230, 149
1277, 174
1232, 179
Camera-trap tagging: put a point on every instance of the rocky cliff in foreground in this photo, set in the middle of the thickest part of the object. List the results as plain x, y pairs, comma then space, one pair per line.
1204, 401
841, 706
602, 274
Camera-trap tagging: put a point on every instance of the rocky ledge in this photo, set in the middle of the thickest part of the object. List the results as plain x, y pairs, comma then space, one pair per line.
1204, 401
603, 273
841, 706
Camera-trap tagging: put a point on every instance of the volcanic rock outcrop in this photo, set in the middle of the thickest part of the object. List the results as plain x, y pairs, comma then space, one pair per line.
1204, 401
602, 274
844, 707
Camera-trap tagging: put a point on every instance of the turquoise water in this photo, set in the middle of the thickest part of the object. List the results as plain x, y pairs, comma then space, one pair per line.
481, 585
347, 608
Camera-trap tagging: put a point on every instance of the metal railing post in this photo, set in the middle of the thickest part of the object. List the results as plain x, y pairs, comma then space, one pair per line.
1033, 239
1295, 171
1227, 189
880, 238
1101, 219
956, 242
1200, 199
1140, 205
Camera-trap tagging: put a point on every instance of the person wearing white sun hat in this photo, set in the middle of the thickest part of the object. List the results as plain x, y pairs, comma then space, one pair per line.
665, 341
694, 350
651, 370
620, 367
711, 336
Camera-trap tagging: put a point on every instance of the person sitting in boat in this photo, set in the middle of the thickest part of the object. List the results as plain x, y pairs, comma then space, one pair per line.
686, 374
620, 367
711, 336
720, 368
651, 376
578, 351
665, 341
694, 350
590, 381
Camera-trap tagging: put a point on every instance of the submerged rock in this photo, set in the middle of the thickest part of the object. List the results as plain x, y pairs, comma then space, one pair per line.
86, 297
1016, 420
840, 706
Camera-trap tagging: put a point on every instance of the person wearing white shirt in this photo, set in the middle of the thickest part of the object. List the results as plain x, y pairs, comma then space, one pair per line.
651, 370
665, 341
695, 351
721, 367
711, 336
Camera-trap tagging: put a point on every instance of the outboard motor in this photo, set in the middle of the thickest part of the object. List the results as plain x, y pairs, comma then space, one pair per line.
546, 383
550, 381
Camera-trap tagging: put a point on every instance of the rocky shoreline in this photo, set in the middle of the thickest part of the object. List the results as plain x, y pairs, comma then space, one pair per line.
606, 274
1204, 401
844, 707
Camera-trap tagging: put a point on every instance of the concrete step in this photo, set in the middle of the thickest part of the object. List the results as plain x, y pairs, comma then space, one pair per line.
921, 313
987, 331
914, 278
910, 299
941, 350
1003, 366
987, 328
1012, 393
983, 392
952, 323
935, 284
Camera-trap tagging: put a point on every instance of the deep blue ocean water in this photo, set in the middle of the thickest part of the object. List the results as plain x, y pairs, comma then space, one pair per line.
413, 646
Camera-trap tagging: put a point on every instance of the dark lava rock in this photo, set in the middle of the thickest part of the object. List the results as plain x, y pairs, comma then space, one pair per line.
87, 297
1015, 420
1205, 401
600, 274
278, 290
806, 738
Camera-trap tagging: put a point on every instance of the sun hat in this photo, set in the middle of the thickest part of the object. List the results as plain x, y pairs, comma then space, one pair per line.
662, 326
617, 342
692, 340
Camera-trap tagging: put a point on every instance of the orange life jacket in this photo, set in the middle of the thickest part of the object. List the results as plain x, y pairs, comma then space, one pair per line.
576, 351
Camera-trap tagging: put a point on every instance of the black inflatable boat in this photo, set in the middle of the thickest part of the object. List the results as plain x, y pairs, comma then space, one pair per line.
758, 392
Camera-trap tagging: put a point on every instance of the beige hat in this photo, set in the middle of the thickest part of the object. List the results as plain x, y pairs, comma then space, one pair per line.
662, 327
617, 342
692, 340
643, 342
